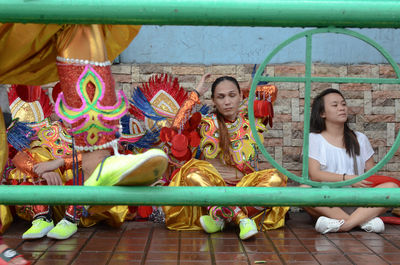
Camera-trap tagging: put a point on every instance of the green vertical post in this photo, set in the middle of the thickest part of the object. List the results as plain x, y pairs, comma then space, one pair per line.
307, 95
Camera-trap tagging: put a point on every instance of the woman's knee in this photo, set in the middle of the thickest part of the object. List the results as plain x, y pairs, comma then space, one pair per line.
387, 185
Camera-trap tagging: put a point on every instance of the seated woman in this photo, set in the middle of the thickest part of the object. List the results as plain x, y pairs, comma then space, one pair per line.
337, 153
230, 152
47, 159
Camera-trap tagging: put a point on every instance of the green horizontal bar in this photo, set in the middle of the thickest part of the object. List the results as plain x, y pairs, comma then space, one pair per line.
200, 196
331, 80
276, 13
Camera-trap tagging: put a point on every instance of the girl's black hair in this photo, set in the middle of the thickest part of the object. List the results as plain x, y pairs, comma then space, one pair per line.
224, 140
317, 123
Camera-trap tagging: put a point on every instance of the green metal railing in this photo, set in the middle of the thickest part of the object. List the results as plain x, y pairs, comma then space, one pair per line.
200, 196
311, 13
276, 13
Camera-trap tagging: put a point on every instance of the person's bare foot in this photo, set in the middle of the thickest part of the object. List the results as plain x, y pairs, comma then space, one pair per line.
15, 261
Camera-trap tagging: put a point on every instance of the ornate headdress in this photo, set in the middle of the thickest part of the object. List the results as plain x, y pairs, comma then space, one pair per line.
29, 103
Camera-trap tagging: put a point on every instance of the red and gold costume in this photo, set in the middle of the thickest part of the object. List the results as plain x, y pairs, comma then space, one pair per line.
243, 154
79, 56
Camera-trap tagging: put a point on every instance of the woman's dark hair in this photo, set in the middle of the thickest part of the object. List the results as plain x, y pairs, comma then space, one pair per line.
317, 123
224, 140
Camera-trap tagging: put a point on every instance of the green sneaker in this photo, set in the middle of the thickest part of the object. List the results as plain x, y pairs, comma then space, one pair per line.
248, 228
210, 225
130, 170
39, 229
63, 230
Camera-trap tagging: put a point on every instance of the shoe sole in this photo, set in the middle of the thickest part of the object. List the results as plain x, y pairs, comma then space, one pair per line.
58, 237
37, 236
145, 172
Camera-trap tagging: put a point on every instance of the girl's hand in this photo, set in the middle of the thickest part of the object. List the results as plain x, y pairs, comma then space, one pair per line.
200, 87
52, 178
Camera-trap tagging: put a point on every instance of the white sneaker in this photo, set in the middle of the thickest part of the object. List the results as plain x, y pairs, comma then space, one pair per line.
375, 225
325, 225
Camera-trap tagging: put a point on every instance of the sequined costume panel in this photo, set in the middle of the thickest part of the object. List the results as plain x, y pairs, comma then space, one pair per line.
243, 151
89, 103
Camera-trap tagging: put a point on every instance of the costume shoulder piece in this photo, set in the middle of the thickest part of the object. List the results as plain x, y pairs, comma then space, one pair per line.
29, 103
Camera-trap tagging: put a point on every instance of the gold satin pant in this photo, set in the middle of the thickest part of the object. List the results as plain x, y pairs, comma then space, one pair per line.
202, 173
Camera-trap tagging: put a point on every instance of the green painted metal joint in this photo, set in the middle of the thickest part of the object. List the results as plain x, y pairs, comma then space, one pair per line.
198, 196
275, 13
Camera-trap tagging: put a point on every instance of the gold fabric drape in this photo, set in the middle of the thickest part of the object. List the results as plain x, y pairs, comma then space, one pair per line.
202, 173
28, 51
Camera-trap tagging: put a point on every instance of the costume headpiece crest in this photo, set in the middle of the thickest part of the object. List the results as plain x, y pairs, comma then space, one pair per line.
29, 103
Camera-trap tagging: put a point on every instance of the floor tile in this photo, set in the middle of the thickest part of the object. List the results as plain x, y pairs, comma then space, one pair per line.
195, 248
230, 257
164, 248
129, 248
231, 262
297, 257
124, 262
194, 241
162, 256
59, 255
99, 246
126, 256
391, 258
51, 262
268, 257
165, 262
328, 258
148, 243
367, 259
98, 258
291, 249
259, 248
194, 256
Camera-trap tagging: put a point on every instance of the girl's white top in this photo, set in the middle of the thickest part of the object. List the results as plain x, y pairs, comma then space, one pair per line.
335, 159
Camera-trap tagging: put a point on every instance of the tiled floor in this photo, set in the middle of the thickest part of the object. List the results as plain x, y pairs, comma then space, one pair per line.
149, 243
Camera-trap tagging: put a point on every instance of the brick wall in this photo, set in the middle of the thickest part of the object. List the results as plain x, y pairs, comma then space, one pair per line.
374, 109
